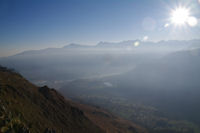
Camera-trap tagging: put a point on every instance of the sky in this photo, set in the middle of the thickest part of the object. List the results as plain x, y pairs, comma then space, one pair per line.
36, 24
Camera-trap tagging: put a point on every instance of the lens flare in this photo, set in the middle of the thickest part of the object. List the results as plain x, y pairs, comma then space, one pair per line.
145, 38
136, 44
192, 21
166, 25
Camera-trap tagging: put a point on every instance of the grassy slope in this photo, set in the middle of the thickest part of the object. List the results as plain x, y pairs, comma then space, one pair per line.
23, 104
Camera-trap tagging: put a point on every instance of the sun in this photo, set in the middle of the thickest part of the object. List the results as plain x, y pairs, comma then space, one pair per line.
180, 15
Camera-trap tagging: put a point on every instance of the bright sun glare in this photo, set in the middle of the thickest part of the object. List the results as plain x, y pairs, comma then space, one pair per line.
180, 15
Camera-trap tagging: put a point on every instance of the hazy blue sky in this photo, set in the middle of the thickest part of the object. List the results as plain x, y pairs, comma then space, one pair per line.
35, 24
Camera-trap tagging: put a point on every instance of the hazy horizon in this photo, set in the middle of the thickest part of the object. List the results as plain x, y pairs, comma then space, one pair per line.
18, 51
96, 66
38, 24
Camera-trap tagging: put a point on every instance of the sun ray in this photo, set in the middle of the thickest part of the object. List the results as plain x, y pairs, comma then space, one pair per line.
180, 15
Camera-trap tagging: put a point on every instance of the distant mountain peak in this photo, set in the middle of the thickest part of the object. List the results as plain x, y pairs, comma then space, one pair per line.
74, 45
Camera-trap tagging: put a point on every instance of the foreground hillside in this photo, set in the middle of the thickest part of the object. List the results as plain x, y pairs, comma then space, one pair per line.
26, 108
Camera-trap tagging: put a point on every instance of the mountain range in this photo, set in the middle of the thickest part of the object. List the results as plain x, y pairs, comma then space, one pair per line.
152, 84
53, 66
